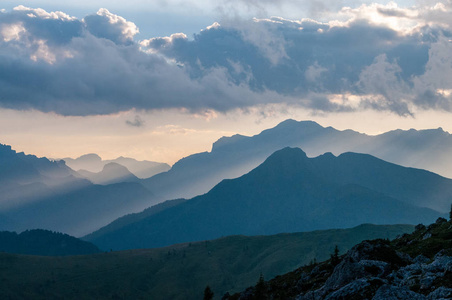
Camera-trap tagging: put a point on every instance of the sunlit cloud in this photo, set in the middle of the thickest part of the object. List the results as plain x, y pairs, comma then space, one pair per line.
399, 60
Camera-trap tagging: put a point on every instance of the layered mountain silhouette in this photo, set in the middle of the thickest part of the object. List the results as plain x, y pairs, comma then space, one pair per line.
44, 242
111, 173
290, 192
25, 178
79, 212
39, 193
93, 163
234, 156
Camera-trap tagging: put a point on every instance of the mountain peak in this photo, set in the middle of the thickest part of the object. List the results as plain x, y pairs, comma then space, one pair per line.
287, 156
112, 166
90, 156
305, 124
225, 141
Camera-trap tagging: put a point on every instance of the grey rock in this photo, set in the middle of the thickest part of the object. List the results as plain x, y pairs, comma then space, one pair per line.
441, 293
390, 292
405, 257
421, 259
441, 263
312, 295
360, 287
426, 281
427, 235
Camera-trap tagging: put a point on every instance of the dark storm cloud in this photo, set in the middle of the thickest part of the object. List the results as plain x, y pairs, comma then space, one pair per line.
95, 74
53, 62
317, 58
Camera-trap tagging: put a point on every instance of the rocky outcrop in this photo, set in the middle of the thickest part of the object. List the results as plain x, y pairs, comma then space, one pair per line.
373, 270
414, 266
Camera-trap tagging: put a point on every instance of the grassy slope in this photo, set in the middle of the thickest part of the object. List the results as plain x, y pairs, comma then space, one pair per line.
176, 272
426, 241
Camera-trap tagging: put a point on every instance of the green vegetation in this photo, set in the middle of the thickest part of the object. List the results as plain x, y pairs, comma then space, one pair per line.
44, 242
182, 271
425, 244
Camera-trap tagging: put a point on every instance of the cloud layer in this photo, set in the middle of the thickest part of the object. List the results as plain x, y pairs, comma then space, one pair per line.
373, 56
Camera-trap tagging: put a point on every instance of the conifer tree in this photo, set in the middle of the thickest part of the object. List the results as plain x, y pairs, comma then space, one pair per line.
335, 256
208, 294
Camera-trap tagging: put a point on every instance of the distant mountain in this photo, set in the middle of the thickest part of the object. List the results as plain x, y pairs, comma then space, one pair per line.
39, 193
80, 212
135, 217
90, 162
290, 192
44, 242
177, 272
143, 168
26, 178
111, 173
94, 164
234, 156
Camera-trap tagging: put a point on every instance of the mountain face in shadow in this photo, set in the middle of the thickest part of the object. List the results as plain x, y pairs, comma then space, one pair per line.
44, 242
39, 193
111, 173
93, 163
26, 178
290, 192
234, 156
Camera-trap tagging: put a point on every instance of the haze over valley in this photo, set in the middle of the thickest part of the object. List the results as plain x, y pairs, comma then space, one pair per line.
231, 150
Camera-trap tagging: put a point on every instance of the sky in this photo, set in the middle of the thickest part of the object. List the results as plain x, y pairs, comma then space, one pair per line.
160, 80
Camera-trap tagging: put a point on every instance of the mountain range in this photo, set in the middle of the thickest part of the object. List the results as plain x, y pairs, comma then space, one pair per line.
40, 193
290, 192
111, 173
94, 163
231, 157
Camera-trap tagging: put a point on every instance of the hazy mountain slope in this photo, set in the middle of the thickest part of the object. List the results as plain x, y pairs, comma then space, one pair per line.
39, 193
176, 272
234, 156
82, 211
20, 169
94, 164
289, 192
141, 169
134, 217
27, 178
111, 173
44, 242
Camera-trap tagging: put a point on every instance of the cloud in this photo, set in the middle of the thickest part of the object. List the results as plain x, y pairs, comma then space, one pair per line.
376, 56
382, 82
104, 24
137, 122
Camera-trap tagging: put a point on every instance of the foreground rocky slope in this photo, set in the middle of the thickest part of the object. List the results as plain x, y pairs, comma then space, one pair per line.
413, 266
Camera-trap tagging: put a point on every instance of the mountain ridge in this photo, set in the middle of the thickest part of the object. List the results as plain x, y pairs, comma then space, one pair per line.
93, 163
231, 157
288, 192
